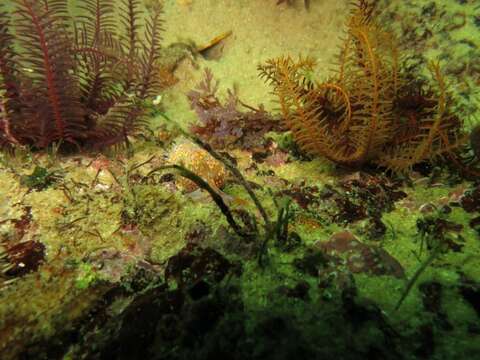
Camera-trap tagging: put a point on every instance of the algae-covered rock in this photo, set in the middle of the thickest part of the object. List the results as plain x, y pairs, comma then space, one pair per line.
147, 205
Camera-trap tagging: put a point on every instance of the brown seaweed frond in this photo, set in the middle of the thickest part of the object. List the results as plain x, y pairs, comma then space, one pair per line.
356, 116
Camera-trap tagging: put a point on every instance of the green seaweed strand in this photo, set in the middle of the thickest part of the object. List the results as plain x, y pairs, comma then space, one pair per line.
417, 274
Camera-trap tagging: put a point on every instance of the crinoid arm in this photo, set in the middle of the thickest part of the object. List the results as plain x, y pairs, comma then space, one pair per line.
435, 136
150, 82
9, 90
53, 92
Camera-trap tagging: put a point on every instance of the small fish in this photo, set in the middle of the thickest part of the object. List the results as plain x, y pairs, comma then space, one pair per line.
207, 48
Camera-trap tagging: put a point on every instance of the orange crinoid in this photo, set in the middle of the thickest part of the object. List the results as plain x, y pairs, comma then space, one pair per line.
371, 111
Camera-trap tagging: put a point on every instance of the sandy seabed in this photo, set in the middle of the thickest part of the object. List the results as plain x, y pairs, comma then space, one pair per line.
261, 30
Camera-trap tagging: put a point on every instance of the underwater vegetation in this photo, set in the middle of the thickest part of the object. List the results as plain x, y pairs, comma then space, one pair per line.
221, 237
19, 260
468, 161
76, 81
475, 141
371, 111
223, 125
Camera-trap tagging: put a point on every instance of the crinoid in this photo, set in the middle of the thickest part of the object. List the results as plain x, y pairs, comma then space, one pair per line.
78, 81
370, 111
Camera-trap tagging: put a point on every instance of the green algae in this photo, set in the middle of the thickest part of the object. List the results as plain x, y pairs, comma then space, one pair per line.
445, 31
165, 219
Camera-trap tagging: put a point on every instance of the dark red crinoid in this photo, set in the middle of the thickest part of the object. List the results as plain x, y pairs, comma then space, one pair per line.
79, 82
